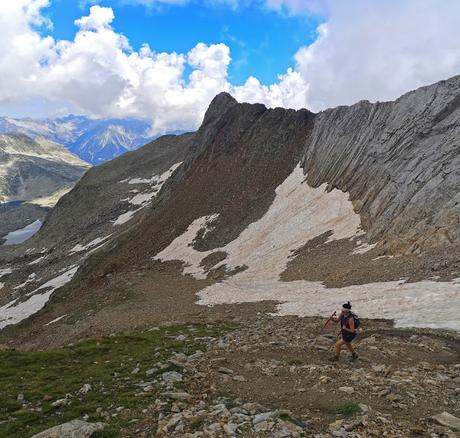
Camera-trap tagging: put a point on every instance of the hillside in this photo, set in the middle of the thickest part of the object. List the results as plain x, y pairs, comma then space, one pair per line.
35, 168
247, 226
33, 175
268, 211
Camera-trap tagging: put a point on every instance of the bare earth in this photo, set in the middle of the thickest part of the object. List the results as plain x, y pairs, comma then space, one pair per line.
272, 364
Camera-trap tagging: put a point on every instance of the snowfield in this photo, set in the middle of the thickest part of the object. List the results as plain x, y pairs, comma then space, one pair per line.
5, 271
92, 244
16, 311
144, 199
298, 214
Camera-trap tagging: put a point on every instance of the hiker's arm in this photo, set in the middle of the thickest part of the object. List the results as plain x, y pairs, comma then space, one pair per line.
352, 326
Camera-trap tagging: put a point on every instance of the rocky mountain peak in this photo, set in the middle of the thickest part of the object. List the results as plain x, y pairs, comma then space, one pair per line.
219, 105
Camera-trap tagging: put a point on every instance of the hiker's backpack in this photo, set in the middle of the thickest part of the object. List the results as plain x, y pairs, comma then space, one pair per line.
356, 320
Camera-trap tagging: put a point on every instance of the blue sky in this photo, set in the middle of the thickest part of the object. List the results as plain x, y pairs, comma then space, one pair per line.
88, 56
262, 42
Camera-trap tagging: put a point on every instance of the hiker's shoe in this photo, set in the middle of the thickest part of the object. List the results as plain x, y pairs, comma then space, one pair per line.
334, 358
354, 356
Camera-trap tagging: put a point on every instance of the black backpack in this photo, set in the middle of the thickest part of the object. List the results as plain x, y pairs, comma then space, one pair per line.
356, 320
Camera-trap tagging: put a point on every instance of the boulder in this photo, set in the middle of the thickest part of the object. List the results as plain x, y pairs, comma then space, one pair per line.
71, 429
448, 420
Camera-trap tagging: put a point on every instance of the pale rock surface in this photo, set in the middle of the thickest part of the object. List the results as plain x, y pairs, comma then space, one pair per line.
72, 429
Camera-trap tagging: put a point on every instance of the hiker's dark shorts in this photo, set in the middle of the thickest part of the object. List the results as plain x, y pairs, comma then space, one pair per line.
348, 337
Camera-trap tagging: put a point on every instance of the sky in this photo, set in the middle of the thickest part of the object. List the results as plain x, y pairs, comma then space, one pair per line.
165, 60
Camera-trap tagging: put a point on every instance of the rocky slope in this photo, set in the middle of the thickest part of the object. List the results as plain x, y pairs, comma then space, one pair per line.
94, 141
228, 214
108, 200
34, 169
265, 218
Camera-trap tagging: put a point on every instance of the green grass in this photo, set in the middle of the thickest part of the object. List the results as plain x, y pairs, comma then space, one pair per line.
106, 364
347, 409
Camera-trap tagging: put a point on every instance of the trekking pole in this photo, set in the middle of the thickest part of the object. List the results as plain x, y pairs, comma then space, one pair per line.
330, 319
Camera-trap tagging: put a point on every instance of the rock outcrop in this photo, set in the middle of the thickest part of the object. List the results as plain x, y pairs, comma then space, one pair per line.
72, 429
400, 162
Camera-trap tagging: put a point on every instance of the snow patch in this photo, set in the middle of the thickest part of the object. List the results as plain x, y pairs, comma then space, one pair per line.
363, 247
95, 242
138, 181
157, 180
5, 271
35, 262
144, 199
298, 214
30, 279
125, 217
383, 257
55, 320
16, 311
182, 249
58, 281
423, 304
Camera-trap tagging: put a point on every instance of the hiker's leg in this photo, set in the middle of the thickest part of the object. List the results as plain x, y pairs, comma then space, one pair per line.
350, 347
338, 347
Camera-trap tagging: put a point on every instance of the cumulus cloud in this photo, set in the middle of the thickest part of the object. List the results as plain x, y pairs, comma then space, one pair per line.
365, 50
379, 50
99, 74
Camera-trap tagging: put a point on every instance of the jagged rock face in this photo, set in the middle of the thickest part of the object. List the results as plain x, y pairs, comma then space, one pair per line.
400, 162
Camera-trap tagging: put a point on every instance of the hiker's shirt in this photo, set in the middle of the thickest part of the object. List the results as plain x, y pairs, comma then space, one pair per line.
346, 335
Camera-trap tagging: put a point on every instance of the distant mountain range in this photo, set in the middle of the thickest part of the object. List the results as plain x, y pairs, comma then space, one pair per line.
94, 141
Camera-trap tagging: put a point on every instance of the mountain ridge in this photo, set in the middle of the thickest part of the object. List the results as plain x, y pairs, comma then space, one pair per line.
234, 197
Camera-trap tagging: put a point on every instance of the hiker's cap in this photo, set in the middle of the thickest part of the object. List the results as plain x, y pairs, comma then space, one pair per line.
347, 306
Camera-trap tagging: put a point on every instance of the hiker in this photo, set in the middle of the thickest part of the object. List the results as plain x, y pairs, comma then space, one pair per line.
347, 331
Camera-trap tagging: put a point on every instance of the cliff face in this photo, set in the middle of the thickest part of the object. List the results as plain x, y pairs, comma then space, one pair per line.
400, 162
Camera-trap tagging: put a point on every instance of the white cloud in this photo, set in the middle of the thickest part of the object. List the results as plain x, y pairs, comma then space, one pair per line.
377, 50
367, 49
99, 74
99, 18
291, 91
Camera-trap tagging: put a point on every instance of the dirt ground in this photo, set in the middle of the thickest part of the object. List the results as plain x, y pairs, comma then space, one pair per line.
402, 377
